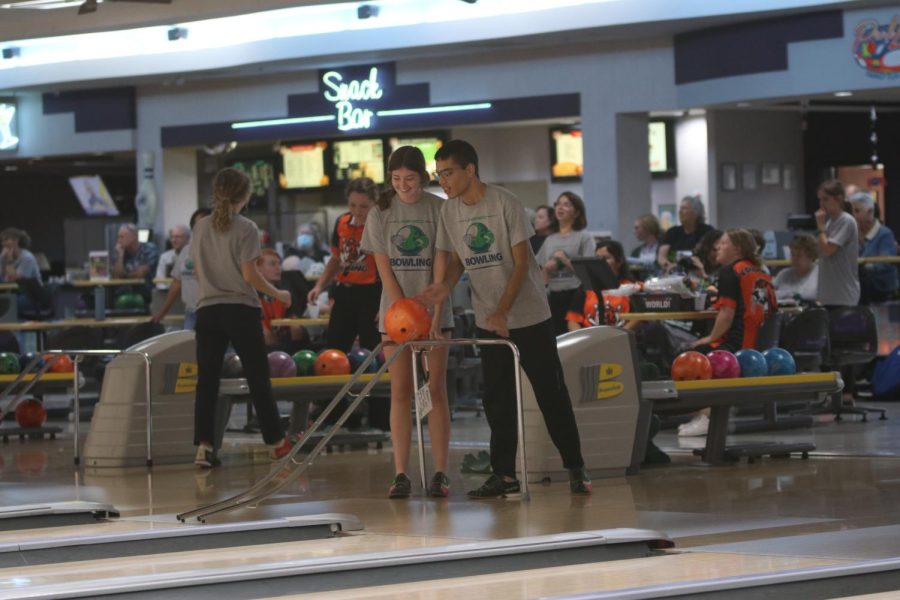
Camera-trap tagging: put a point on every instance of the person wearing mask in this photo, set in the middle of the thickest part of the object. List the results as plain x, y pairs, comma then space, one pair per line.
179, 236
484, 231
800, 281
838, 241
684, 237
184, 281
647, 232
224, 249
746, 300
878, 281
544, 224
571, 239
356, 294
400, 232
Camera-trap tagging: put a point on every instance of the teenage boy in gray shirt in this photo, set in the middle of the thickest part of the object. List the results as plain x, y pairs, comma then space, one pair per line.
838, 241
485, 232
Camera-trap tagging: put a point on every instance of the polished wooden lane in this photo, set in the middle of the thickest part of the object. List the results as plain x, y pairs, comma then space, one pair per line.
580, 579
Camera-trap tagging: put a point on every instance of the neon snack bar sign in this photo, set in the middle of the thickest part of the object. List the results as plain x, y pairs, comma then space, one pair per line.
345, 93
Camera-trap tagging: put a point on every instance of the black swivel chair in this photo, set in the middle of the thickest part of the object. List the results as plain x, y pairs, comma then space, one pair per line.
806, 337
854, 341
769, 334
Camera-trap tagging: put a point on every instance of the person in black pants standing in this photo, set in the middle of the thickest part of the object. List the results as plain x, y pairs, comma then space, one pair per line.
357, 291
484, 231
224, 249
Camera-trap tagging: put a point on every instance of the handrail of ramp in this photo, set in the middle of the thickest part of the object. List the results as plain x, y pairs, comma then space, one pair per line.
289, 468
79, 356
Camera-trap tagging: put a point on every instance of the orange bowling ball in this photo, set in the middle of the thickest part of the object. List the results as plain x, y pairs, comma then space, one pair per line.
691, 365
63, 365
30, 413
407, 320
332, 362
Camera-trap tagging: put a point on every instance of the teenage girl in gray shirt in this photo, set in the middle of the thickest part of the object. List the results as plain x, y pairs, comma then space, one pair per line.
224, 249
555, 256
400, 231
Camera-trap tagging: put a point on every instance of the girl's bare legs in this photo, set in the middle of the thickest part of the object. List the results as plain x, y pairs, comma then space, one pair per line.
439, 417
401, 395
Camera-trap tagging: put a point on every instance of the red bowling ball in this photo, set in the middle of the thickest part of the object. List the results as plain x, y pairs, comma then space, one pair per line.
332, 362
30, 413
691, 365
724, 364
407, 320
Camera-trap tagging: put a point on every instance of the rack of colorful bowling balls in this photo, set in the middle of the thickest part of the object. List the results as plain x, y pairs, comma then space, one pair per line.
13, 364
305, 363
722, 364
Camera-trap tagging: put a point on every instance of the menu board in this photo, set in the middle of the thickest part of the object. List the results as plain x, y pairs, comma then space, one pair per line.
428, 145
567, 154
303, 166
359, 158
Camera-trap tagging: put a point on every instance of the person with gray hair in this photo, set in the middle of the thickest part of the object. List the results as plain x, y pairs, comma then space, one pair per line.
878, 282
684, 237
134, 259
179, 236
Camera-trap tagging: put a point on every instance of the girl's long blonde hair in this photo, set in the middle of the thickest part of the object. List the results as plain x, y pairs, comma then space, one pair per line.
230, 187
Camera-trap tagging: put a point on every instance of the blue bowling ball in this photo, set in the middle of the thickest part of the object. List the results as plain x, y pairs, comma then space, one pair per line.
753, 363
780, 361
356, 358
27, 357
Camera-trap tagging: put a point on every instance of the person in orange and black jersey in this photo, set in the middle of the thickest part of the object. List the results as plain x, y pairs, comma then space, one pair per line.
356, 294
584, 311
286, 338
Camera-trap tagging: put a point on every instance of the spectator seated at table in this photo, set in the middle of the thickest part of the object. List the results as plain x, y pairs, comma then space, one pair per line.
286, 338
800, 281
684, 237
585, 308
179, 236
309, 249
19, 265
133, 259
878, 281
647, 232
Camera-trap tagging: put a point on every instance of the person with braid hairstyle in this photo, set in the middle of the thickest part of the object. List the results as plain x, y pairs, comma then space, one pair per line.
224, 249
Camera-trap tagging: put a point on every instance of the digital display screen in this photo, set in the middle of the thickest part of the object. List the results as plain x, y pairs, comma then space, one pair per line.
93, 195
303, 166
428, 145
566, 154
661, 139
359, 158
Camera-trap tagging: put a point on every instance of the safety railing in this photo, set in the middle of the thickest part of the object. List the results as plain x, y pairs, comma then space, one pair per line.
290, 468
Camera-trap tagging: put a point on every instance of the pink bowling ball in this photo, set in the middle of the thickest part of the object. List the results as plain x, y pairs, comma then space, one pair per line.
724, 364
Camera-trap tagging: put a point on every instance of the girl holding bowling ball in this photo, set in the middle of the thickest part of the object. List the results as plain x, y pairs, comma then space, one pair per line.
225, 248
400, 231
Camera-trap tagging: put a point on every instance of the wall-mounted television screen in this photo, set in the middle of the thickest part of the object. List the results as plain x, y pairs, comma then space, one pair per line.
93, 195
303, 165
661, 137
566, 154
359, 158
428, 144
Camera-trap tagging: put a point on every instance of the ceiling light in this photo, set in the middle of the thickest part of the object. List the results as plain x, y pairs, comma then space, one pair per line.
367, 11
743, 104
843, 94
11, 52
177, 33
43, 4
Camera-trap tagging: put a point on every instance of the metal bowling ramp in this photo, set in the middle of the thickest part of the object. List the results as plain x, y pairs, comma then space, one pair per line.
54, 514
39, 550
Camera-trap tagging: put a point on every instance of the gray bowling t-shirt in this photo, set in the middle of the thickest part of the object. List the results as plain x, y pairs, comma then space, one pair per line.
576, 243
483, 236
406, 234
839, 273
218, 257
183, 270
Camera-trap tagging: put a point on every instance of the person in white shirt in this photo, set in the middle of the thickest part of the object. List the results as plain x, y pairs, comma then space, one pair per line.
179, 236
800, 281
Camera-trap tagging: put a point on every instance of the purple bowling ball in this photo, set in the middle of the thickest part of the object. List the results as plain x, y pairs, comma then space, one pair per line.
281, 364
724, 364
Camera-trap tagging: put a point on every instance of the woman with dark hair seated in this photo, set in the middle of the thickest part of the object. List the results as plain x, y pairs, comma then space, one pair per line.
18, 264
584, 311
